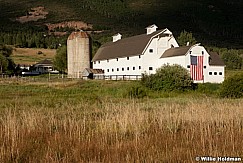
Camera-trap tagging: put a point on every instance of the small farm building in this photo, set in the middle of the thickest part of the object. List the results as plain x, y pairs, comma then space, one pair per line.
44, 66
89, 73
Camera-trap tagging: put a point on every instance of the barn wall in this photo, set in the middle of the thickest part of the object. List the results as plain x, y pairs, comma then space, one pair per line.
180, 60
152, 59
214, 74
122, 66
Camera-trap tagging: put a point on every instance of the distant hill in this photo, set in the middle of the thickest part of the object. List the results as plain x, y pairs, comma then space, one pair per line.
213, 22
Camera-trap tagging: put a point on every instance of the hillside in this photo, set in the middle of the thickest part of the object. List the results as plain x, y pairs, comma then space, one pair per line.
215, 23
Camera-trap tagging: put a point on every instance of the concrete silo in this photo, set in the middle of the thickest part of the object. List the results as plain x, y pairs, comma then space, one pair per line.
78, 53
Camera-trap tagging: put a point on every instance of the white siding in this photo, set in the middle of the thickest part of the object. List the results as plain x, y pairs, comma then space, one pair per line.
158, 45
214, 74
122, 66
180, 60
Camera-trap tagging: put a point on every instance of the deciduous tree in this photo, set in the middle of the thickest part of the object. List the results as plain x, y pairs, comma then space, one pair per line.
3, 63
6, 63
60, 60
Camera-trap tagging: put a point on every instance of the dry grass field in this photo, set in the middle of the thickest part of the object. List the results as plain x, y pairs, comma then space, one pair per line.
29, 56
90, 122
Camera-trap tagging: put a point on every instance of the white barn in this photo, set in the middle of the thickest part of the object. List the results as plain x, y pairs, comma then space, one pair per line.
130, 57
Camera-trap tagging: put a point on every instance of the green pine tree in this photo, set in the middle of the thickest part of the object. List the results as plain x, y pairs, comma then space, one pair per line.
186, 37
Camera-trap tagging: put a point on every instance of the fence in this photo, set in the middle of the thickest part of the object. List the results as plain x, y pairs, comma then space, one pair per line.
122, 77
64, 78
42, 78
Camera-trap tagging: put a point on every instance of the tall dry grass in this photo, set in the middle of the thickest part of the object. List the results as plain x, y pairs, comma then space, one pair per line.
168, 130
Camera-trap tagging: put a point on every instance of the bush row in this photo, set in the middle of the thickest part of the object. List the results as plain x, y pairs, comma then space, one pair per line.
176, 80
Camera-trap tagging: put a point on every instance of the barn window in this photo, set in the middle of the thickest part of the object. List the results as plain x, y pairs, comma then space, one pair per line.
117, 59
210, 73
107, 60
107, 70
133, 68
99, 62
202, 52
188, 66
139, 67
127, 68
127, 58
150, 68
215, 73
204, 66
220, 73
122, 69
139, 56
112, 70
117, 69
94, 62
151, 50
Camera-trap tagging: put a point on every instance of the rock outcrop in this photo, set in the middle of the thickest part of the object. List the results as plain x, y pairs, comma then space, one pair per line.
34, 14
70, 24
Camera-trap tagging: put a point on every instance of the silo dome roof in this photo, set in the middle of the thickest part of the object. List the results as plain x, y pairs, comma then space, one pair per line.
80, 34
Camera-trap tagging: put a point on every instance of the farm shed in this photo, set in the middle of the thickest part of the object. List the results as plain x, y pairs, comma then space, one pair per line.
44, 66
89, 73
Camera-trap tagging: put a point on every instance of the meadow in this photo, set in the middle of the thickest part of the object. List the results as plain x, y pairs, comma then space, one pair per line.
29, 56
97, 121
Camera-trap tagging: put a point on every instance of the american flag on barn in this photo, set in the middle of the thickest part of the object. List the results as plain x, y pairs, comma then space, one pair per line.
196, 67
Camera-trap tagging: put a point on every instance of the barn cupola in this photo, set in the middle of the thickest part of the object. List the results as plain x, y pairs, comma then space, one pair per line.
117, 37
151, 29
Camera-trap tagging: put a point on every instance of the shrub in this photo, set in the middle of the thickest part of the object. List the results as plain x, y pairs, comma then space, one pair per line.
168, 78
232, 59
135, 91
208, 88
232, 87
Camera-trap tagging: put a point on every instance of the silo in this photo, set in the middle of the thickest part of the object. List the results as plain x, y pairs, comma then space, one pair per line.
78, 53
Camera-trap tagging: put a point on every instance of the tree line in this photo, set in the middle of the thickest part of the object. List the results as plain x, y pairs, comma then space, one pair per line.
30, 39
